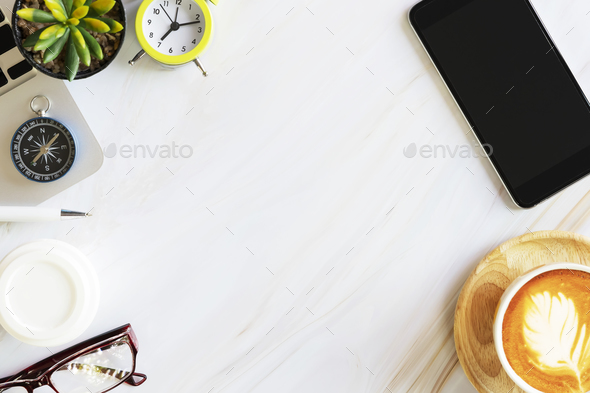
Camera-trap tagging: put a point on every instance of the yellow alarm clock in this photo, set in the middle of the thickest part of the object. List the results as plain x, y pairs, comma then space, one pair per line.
173, 32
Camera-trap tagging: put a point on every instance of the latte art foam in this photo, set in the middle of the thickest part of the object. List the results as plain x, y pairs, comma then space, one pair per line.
546, 332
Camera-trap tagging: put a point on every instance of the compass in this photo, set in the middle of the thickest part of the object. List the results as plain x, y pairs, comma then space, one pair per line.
43, 149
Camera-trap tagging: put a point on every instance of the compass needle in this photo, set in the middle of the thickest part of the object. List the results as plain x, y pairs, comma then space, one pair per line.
37, 157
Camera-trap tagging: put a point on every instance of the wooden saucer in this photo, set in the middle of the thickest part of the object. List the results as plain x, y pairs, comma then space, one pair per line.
474, 315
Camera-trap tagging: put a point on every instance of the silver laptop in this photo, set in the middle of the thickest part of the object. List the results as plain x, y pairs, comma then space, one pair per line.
19, 83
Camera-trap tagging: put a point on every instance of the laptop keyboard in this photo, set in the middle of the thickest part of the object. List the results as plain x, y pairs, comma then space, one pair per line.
3, 79
6, 39
19, 69
14, 69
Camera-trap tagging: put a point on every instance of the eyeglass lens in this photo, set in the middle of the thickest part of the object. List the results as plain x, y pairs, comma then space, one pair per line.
96, 371
14, 390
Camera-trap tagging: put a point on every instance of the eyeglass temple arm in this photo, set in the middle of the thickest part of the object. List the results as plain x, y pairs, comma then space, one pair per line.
5, 384
8, 380
11, 378
136, 379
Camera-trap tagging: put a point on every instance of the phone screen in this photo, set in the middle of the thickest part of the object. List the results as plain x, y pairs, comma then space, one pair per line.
514, 88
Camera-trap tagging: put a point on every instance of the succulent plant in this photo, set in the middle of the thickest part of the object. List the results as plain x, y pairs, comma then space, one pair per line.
69, 24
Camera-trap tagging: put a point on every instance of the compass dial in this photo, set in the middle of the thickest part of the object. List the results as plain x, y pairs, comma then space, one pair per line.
43, 149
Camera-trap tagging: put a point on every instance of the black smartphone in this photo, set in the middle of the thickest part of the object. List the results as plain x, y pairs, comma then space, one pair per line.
514, 88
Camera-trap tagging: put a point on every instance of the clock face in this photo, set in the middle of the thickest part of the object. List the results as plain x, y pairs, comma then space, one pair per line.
173, 27
43, 149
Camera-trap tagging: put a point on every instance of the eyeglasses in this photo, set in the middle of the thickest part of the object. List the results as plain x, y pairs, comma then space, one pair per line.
96, 365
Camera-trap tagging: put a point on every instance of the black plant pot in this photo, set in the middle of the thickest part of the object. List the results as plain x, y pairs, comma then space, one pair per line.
18, 37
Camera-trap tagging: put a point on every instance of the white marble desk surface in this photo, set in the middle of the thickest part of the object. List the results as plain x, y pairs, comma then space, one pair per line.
297, 249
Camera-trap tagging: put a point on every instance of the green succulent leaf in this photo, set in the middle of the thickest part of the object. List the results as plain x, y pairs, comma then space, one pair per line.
44, 44
101, 7
72, 60
68, 4
50, 31
93, 45
114, 26
61, 31
33, 38
57, 9
80, 44
73, 22
94, 24
92, 13
78, 4
80, 12
35, 15
77, 37
54, 50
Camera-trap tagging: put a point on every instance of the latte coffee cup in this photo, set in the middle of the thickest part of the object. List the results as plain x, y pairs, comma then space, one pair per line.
542, 329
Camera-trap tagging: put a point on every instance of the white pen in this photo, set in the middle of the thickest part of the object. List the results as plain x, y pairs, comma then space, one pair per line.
35, 214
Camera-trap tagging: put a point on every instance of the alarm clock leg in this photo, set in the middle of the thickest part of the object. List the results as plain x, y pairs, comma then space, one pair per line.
200, 65
138, 56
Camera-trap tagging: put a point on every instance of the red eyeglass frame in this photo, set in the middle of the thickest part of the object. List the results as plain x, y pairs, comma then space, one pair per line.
39, 374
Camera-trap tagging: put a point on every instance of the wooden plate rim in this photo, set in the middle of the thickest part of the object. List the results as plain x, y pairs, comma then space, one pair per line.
464, 298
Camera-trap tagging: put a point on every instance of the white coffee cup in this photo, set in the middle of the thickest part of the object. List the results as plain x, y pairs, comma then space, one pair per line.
505, 300
49, 293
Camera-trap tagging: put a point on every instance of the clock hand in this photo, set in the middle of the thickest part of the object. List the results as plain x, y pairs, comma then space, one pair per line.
173, 26
189, 23
166, 35
166, 13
